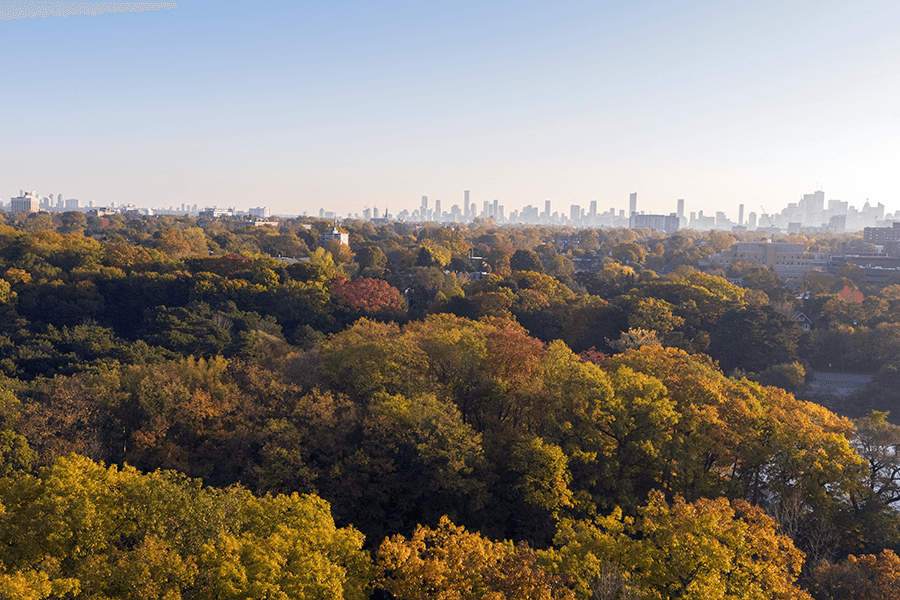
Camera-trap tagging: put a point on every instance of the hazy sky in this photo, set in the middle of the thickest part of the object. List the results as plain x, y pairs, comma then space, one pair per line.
298, 105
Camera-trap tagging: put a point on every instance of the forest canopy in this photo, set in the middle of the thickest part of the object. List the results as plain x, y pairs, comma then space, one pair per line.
191, 409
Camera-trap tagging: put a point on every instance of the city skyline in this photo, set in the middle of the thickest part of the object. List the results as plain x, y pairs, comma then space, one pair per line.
298, 106
811, 213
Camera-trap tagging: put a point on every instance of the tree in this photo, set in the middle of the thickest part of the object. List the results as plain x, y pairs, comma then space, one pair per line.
766, 338
634, 338
83, 529
39, 221
866, 577
526, 260
73, 222
544, 475
432, 255
703, 550
732, 437
654, 314
450, 562
367, 296
178, 243
629, 252
720, 240
340, 252
614, 279
878, 443
372, 261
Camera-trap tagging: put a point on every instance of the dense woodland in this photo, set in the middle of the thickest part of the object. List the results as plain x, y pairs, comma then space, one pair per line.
193, 409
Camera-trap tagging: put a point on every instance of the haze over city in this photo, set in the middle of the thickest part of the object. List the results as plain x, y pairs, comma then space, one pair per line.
299, 106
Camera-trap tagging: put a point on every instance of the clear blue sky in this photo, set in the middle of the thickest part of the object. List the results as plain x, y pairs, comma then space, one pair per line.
342, 105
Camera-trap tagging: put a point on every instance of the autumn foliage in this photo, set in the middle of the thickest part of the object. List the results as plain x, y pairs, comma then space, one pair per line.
227, 412
367, 296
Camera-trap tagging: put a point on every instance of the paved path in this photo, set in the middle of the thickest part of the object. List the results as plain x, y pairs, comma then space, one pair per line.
835, 384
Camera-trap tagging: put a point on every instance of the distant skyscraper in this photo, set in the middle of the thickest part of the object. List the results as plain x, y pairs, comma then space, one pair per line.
575, 213
424, 210
547, 209
466, 204
740, 214
592, 214
494, 211
632, 204
680, 211
437, 211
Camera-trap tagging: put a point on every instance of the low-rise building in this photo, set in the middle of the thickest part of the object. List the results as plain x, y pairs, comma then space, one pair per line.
256, 222
101, 211
788, 260
879, 236
216, 212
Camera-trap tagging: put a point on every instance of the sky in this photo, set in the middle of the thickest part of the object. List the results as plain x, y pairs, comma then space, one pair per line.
301, 105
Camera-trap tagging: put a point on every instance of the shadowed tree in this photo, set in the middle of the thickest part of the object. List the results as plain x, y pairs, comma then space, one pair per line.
526, 260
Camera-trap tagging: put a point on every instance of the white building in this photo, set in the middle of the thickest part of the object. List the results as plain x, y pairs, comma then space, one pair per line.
215, 212
27, 202
334, 234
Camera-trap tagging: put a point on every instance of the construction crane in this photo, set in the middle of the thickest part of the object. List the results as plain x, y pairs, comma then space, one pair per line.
766, 215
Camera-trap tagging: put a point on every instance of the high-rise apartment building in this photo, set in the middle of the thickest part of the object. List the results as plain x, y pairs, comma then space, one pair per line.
575, 213
632, 204
25, 202
811, 207
666, 223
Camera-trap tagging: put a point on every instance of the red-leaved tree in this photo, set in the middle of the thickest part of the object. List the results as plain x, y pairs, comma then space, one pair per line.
367, 295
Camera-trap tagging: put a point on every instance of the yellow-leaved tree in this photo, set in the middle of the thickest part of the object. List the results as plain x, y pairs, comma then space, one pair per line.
703, 550
451, 563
